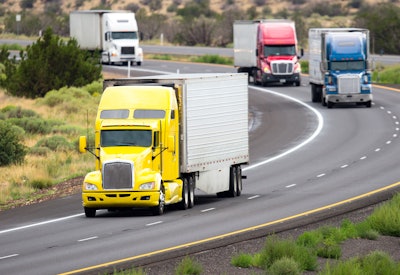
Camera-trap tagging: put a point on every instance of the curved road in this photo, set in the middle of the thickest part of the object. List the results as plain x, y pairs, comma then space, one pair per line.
302, 157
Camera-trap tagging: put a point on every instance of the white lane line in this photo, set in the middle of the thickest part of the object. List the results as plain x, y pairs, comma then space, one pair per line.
377, 149
321, 175
344, 166
388, 142
40, 223
207, 210
154, 223
253, 197
88, 239
291, 185
364, 157
305, 142
9, 256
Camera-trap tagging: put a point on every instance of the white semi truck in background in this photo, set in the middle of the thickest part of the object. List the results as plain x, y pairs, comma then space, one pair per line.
113, 33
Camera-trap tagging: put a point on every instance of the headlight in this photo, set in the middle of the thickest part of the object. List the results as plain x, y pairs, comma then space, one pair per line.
90, 186
267, 70
147, 186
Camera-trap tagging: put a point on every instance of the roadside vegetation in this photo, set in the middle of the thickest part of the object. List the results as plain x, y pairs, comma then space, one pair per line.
296, 256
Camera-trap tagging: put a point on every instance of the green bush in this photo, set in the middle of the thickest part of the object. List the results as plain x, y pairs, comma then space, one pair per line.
285, 266
55, 143
40, 183
12, 151
213, 59
11, 111
40, 70
242, 260
275, 249
386, 218
188, 267
36, 125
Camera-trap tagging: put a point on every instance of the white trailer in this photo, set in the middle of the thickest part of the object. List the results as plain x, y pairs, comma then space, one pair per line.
113, 33
213, 125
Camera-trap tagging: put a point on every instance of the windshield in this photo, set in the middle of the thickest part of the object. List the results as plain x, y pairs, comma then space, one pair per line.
124, 35
279, 50
347, 65
140, 138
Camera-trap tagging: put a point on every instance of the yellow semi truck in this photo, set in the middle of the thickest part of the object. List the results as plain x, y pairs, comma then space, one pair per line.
160, 138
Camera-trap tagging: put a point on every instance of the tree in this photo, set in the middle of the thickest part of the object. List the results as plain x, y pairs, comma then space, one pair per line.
383, 22
50, 64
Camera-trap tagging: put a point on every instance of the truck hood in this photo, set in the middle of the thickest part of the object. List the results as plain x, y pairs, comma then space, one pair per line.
125, 42
281, 57
139, 155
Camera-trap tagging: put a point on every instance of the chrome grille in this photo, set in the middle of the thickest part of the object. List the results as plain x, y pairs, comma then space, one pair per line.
117, 175
128, 50
349, 84
282, 68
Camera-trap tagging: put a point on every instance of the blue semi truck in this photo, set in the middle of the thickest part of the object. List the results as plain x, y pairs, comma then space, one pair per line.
340, 66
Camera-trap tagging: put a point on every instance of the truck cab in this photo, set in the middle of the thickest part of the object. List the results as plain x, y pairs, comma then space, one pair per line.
277, 59
136, 145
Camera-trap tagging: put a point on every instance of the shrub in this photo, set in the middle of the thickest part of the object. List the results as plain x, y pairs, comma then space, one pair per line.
11, 111
285, 266
40, 183
188, 266
276, 249
55, 143
12, 151
242, 260
35, 125
386, 218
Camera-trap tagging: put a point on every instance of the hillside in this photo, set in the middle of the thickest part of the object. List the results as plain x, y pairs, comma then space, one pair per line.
218, 6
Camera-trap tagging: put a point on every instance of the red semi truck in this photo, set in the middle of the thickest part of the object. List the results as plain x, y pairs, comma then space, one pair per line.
267, 51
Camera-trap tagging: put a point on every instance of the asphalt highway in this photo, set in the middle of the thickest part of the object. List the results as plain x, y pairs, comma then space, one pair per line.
304, 158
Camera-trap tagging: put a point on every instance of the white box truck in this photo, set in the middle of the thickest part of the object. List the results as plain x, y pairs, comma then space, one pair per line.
159, 138
113, 33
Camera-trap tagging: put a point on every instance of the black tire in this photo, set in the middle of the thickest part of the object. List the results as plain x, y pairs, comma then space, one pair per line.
184, 204
329, 104
368, 104
314, 97
239, 181
232, 182
89, 212
138, 63
160, 208
192, 186
297, 83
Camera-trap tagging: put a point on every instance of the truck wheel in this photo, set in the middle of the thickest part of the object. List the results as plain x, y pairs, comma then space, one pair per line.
297, 83
232, 182
329, 104
314, 97
139, 63
239, 180
184, 204
159, 209
90, 212
191, 191
368, 104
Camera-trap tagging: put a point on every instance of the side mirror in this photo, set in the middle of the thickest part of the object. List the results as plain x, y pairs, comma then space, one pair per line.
171, 144
82, 144
301, 53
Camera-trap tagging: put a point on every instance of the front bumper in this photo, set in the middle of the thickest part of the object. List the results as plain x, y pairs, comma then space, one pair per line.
271, 78
348, 98
103, 200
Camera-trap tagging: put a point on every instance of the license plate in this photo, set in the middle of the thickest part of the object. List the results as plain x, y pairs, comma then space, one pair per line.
282, 80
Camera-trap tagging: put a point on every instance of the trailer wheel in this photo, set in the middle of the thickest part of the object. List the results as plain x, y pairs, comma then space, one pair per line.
159, 209
239, 180
90, 212
233, 182
184, 204
191, 190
